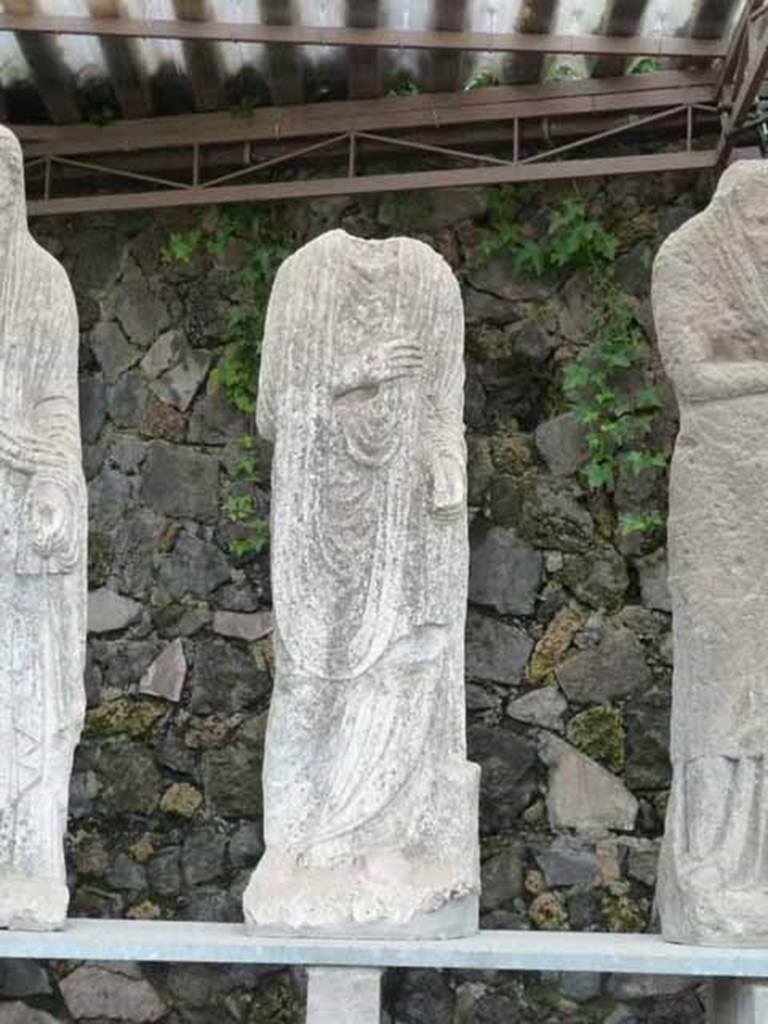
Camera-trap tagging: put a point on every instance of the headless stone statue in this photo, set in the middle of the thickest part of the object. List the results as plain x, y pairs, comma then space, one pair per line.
370, 803
710, 300
42, 563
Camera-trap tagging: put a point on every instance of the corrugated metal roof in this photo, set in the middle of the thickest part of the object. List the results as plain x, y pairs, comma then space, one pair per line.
116, 76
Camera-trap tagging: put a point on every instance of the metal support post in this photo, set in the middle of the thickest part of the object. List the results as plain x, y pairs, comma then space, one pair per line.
344, 995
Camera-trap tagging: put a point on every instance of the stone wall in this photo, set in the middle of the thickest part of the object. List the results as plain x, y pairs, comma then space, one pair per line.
568, 657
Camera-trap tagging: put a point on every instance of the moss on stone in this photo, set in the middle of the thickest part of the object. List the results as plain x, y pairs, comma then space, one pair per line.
512, 451
276, 1003
599, 733
100, 557
490, 342
123, 717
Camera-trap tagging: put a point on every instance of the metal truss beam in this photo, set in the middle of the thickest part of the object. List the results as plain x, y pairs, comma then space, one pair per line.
656, 163
503, 104
754, 68
546, 163
429, 39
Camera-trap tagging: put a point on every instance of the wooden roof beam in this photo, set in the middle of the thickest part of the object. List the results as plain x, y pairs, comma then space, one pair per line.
500, 106
622, 18
535, 17
365, 75
710, 18
53, 79
125, 74
428, 39
285, 63
445, 67
200, 57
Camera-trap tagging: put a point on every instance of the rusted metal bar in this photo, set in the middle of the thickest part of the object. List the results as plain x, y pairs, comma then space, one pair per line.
323, 187
274, 161
90, 165
352, 162
735, 48
438, 150
754, 73
429, 39
608, 133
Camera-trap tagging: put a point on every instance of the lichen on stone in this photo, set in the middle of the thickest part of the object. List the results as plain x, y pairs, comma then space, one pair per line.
548, 912
599, 733
123, 716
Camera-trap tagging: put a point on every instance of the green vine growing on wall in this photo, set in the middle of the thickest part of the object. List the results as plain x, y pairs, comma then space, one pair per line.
605, 388
262, 244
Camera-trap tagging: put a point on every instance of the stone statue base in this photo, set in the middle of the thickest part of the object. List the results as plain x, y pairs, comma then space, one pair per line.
454, 920
33, 904
712, 887
700, 909
377, 899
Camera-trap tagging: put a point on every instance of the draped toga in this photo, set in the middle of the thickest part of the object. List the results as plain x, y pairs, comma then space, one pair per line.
42, 594
366, 748
711, 314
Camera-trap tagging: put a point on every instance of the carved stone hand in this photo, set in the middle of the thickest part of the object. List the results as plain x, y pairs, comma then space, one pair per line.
390, 361
448, 487
49, 518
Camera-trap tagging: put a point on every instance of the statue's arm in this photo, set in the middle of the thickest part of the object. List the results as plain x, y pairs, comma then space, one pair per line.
447, 447
56, 493
691, 328
710, 381
274, 349
389, 360
18, 450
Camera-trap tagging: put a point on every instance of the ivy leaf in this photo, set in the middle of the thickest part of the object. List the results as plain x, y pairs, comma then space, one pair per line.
598, 474
648, 398
576, 377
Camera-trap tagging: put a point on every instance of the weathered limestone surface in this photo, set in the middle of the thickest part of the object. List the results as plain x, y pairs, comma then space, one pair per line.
42, 563
711, 313
370, 802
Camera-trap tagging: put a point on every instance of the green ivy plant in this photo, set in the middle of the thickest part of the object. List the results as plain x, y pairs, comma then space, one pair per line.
573, 239
645, 65
481, 80
605, 387
258, 231
241, 508
400, 83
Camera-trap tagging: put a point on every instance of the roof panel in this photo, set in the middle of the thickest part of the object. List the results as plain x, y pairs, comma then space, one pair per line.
245, 65
13, 66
